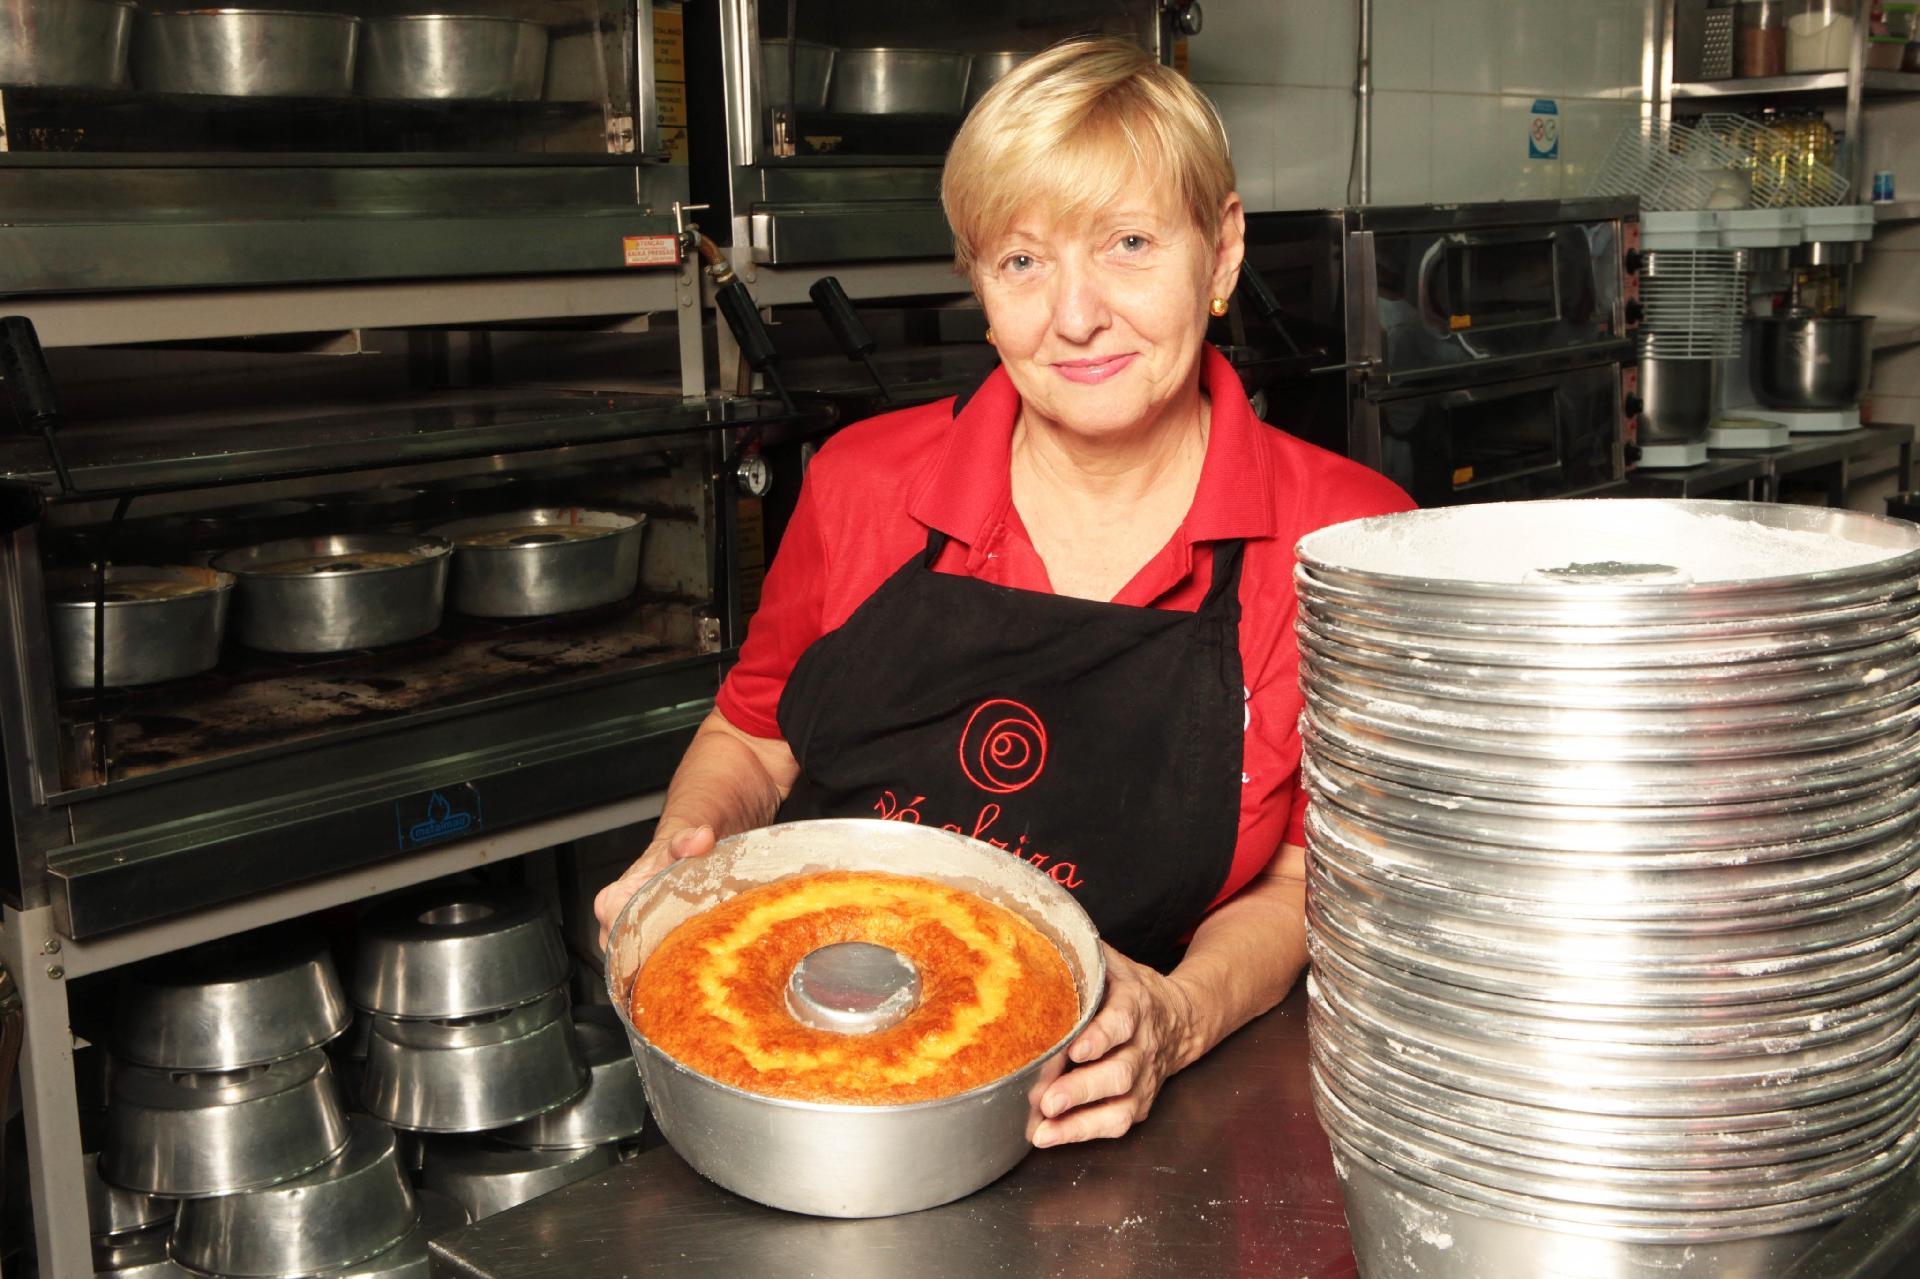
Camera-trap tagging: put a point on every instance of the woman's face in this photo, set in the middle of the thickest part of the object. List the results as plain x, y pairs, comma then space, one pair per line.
1099, 320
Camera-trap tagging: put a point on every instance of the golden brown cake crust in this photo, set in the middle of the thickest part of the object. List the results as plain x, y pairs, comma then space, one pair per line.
995, 994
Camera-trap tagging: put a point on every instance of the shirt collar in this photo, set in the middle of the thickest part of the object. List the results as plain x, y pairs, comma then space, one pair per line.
966, 489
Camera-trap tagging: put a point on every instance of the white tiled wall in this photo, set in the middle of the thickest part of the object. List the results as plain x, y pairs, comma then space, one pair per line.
1455, 82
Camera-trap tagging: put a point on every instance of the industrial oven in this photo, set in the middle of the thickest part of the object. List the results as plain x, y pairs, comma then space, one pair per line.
1470, 352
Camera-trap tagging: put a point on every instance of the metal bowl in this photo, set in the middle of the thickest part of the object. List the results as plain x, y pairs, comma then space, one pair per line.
246, 53
185, 1136
813, 70
453, 57
335, 594
147, 638
243, 1001
899, 82
1810, 362
614, 1106
474, 1074
438, 1215
456, 951
846, 1160
354, 1207
65, 44
485, 1177
539, 562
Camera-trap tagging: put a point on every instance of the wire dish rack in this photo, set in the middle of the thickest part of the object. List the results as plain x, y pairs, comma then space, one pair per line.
1695, 302
1715, 162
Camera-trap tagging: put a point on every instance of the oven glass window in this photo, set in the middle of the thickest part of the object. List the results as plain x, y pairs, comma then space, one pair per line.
1498, 439
1504, 283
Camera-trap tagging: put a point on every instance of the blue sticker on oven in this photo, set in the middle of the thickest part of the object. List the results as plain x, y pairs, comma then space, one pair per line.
438, 816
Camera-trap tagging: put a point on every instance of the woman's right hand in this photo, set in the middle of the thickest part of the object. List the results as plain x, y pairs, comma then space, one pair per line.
690, 841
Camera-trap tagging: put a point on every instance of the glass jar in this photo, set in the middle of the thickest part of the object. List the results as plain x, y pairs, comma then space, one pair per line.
1820, 35
1760, 38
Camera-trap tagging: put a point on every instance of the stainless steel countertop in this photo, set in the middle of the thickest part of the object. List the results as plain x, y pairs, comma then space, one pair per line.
1229, 1176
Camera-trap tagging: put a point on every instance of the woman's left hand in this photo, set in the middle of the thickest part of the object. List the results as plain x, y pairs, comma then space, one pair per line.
1137, 1039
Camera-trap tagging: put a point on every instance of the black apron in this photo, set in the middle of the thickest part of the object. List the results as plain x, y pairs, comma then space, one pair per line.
1099, 742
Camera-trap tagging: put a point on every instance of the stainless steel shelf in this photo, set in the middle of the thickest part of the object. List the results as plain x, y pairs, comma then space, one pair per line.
1817, 82
109, 459
1897, 211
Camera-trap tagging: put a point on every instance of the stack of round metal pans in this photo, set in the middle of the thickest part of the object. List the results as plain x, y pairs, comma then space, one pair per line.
464, 987
1614, 884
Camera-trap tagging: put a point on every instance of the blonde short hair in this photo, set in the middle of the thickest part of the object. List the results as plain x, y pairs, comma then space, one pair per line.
1069, 129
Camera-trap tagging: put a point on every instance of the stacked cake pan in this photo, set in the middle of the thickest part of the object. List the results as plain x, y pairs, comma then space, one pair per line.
471, 1042
223, 1098
1613, 880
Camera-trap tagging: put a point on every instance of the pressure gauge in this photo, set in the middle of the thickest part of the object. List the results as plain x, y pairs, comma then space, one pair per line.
754, 476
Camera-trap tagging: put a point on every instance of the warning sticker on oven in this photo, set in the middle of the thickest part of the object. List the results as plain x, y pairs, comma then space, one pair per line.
438, 816
651, 250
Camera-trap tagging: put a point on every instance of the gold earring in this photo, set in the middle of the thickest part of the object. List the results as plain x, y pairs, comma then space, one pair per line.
1218, 307
989, 334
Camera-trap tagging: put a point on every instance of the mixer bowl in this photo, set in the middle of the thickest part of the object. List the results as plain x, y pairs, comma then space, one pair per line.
1810, 362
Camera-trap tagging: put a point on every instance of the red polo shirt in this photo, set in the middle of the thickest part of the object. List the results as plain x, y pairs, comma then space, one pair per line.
873, 492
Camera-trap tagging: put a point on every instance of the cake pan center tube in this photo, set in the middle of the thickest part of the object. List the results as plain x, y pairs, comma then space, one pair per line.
853, 988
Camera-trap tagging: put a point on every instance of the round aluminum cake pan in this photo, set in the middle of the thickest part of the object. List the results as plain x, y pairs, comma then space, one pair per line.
344, 596
1575, 1080
540, 573
242, 1001
1788, 1059
1736, 561
140, 1255
461, 1086
64, 44
1571, 983
1717, 686
408, 1259
245, 53
188, 1136
456, 950
1796, 1176
113, 1213
1667, 1193
1879, 920
356, 1206
1610, 836
1618, 1029
1650, 899
1577, 1137
1362, 708
1563, 648
1663, 1011
614, 1106
1400, 1225
1578, 618
1578, 1155
447, 57
1676, 780
835, 1160
485, 1177
143, 640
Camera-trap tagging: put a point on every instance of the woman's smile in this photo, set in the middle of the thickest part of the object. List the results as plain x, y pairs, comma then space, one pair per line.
1093, 370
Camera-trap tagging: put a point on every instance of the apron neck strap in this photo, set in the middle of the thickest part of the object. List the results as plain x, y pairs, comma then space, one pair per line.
1226, 566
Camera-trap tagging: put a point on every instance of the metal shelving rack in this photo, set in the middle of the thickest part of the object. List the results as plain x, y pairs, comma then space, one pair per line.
1854, 85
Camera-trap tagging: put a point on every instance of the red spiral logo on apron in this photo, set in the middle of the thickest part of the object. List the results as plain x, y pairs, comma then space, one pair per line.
1003, 747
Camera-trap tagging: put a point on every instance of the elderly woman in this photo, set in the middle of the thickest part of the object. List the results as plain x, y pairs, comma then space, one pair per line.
1057, 614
